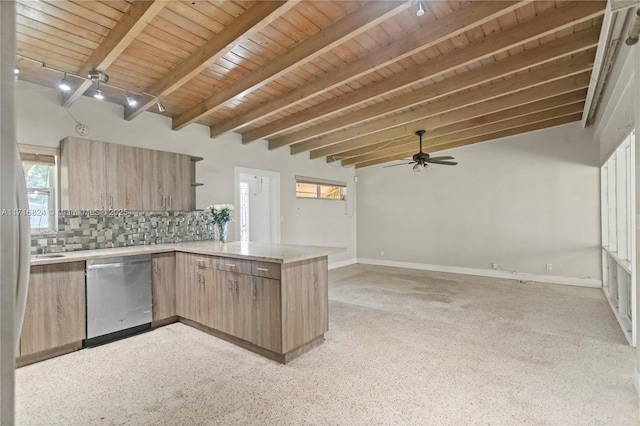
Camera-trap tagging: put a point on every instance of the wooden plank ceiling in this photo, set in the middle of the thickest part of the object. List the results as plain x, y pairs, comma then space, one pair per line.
350, 81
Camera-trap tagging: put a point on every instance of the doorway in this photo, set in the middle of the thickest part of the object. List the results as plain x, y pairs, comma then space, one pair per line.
257, 200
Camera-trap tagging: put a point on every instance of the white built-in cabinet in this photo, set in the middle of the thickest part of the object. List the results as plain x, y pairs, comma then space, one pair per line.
617, 197
100, 175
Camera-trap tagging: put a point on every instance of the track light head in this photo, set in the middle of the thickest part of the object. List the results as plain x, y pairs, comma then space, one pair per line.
65, 84
420, 10
160, 107
131, 101
98, 93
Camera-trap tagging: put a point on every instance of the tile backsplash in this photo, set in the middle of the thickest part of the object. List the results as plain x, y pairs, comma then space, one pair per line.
127, 229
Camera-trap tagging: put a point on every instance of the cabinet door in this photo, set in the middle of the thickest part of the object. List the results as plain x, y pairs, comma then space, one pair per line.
55, 314
123, 166
147, 183
267, 325
181, 198
187, 287
164, 285
165, 175
182, 277
237, 317
82, 174
207, 296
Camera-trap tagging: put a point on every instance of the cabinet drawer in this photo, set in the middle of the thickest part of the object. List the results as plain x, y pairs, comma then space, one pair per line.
266, 270
234, 265
203, 261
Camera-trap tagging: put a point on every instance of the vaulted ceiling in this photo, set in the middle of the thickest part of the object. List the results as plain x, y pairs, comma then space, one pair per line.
350, 81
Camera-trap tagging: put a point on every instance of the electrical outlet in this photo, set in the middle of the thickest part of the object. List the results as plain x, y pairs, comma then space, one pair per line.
549, 266
74, 223
494, 266
381, 253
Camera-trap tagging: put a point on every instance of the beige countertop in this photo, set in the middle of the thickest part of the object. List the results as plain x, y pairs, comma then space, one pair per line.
277, 253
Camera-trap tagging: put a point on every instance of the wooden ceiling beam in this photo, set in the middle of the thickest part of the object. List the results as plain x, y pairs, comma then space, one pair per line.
472, 123
502, 134
314, 137
523, 97
461, 20
133, 21
253, 20
486, 129
547, 23
362, 19
521, 81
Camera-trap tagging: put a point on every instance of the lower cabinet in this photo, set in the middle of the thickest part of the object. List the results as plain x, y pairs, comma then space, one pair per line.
266, 312
55, 314
163, 278
238, 304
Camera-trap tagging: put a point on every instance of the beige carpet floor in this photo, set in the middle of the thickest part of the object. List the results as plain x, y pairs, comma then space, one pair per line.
404, 347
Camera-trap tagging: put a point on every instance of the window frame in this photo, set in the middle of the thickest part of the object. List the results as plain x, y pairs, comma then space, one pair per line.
50, 160
319, 184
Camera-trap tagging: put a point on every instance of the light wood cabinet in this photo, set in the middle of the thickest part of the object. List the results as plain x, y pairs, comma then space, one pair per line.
305, 310
245, 299
100, 175
163, 278
82, 176
55, 314
267, 321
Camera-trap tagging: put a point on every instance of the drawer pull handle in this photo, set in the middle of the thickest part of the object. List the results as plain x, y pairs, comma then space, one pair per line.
262, 269
231, 265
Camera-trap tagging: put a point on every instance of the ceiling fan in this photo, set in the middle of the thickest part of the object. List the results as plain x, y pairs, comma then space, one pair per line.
421, 159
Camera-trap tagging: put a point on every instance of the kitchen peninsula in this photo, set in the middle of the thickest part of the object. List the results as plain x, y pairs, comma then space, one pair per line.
271, 299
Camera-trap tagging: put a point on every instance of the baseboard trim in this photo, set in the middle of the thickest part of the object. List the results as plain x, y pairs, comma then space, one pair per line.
523, 277
636, 380
340, 264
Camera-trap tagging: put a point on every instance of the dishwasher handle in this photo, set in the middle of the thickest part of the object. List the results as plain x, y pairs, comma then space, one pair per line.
117, 265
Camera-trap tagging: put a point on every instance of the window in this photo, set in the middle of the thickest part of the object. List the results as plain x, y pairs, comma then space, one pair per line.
617, 197
307, 187
39, 172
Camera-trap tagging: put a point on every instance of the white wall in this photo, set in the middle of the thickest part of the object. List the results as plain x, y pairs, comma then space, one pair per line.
42, 121
521, 202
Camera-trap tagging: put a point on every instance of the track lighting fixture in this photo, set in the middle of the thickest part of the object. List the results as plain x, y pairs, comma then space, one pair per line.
98, 94
93, 76
160, 107
420, 10
65, 84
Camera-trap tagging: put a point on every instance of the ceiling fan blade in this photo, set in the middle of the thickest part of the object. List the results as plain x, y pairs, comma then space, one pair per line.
446, 157
400, 164
446, 163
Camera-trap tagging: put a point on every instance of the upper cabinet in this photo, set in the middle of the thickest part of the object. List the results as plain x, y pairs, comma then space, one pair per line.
100, 175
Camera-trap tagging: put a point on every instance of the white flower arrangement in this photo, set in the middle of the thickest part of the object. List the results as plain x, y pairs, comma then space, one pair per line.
221, 212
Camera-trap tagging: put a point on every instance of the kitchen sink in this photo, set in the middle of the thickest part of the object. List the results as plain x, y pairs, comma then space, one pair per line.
47, 256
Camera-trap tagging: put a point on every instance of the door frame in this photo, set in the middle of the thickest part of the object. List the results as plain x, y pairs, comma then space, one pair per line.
275, 198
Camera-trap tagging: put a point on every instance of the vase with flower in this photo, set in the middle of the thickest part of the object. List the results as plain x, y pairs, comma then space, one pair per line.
221, 216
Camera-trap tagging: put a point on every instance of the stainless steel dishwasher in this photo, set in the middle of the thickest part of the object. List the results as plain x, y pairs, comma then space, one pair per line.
118, 297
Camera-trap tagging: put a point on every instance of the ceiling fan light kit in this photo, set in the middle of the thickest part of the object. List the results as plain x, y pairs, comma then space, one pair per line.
421, 160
